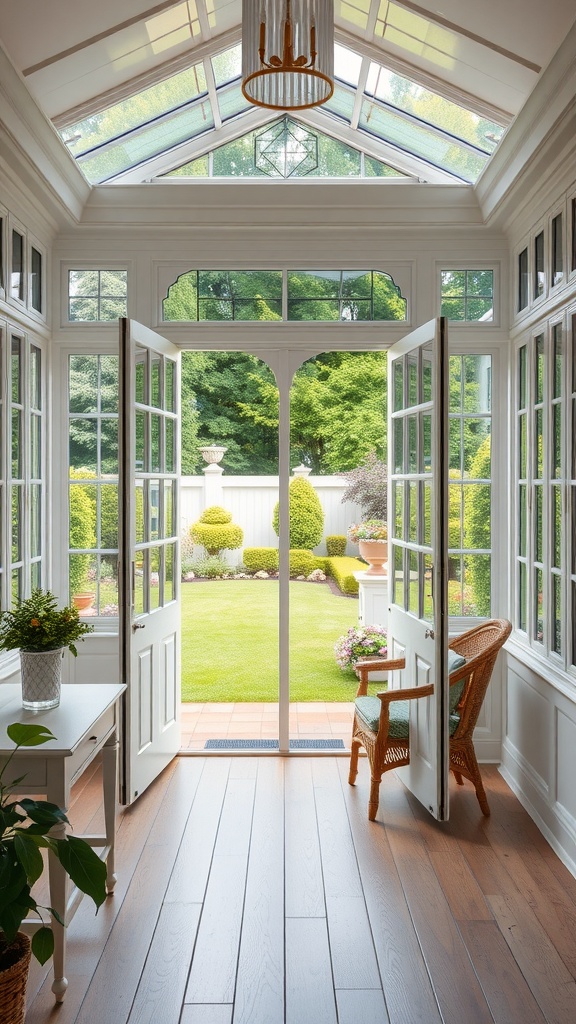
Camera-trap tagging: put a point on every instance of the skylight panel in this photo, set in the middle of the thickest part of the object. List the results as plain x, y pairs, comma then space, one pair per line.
222, 14
355, 12
431, 107
227, 65
231, 102
113, 122
440, 150
341, 102
346, 65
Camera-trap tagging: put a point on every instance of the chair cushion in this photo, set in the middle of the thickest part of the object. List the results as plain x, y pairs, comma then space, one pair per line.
455, 661
368, 709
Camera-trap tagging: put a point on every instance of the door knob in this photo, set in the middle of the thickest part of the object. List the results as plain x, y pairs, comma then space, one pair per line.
138, 625
429, 634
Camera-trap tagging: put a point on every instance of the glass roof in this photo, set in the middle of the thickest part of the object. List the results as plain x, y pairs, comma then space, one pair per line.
395, 120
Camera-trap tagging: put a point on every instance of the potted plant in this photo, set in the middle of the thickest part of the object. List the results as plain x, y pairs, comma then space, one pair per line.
24, 832
372, 539
41, 631
360, 642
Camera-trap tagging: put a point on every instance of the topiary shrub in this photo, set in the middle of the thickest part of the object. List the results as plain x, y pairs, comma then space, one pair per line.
257, 559
216, 531
302, 562
336, 544
341, 570
306, 515
82, 534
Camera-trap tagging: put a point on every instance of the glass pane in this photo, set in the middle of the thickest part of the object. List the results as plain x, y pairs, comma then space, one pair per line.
522, 517
414, 600
17, 282
427, 510
557, 250
36, 279
398, 494
477, 516
84, 445
558, 361
36, 575
16, 444
556, 527
540, 368
557, 613
139, 511
154, 587
455, 384
82, 583
539, 605
155, 373
476, 585
83, 309
522, 597
169, 510
170, 427
454, 516
427, 442
428, 608
522, 378
35, 520
155, 427
16, 524
523, 447
140, 389
83, 383
109, 384
16, 586
398, 385
539, 275
427, 376
412, 379
169, 558
35, 378
16, 370
523, 279
538, 524
108, 516
109, 447
455, 573
414, 511
398, 430
108, 586
35, 452
154, 508
455, 446
141, 460
141, 567
539, 443
412, 444
170, 392
557, 440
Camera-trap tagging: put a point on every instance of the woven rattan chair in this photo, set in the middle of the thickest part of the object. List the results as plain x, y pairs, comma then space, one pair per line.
381, 723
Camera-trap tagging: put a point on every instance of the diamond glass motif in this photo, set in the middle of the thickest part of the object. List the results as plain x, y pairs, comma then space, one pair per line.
286, 150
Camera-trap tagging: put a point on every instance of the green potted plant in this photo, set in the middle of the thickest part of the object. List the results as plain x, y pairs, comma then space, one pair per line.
42, 632
24, 832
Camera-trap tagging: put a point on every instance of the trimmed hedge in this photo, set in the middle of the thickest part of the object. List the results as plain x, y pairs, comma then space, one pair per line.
302, 562
336, 544
305, 515
341, 569
216, 532
257, 559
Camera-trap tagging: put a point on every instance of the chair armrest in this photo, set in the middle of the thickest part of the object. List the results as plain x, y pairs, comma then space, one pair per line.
406, 693
363, 670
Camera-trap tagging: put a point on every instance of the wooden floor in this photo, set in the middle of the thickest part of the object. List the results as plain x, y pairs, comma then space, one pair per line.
255, 891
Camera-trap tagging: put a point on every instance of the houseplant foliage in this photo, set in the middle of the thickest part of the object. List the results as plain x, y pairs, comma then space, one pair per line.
24, 832
216, 531
360, 642
37, 624
305, 513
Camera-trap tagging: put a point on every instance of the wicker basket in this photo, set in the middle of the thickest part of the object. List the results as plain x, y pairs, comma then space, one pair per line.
13, 982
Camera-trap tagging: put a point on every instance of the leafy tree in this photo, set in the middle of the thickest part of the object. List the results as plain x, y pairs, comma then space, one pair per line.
368, 486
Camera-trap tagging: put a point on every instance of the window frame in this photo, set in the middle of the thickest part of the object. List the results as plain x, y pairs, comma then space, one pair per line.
441, 266
16, 225
42, 313
100, 265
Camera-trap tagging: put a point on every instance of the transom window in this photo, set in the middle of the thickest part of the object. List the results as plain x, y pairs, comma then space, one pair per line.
468, 295
329, 295
97, 294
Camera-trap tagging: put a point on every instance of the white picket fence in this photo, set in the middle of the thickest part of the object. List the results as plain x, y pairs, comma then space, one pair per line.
251, 500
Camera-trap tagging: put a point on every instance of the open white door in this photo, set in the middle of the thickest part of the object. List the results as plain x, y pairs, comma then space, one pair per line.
418, 547
149, 570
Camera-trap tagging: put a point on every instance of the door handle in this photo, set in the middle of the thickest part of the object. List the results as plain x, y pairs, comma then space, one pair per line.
429, 634
138, 625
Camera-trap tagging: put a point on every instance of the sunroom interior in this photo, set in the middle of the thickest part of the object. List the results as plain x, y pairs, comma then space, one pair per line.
129, 157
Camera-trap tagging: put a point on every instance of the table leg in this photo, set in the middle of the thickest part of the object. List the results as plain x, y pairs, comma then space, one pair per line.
110, 789
59, 901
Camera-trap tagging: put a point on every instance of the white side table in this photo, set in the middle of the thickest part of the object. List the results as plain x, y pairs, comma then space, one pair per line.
85, 723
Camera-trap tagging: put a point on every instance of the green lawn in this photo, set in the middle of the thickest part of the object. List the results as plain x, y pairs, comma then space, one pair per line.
230, 641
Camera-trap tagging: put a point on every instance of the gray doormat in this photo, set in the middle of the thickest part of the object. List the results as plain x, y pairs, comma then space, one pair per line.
273, 745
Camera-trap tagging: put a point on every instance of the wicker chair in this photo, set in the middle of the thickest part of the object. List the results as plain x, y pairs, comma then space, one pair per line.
381, 723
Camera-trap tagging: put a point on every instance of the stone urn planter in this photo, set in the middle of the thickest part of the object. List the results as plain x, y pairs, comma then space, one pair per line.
375, 552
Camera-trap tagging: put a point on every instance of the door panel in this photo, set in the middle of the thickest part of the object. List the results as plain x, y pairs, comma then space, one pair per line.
149, 554
418, 544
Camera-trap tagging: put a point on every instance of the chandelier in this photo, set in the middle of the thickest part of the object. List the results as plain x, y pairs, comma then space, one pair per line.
288, 53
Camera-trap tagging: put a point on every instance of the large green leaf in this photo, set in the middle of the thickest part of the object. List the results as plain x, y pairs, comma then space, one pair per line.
84, 866
29, 856
12, 914
29, 735
12, 877
42, 812
43, 944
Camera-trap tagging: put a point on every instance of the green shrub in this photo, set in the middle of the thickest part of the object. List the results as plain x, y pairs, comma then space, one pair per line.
258, 559
302, 562
215, 531
211, 567
321, 562
341, 570
336, 544
306, 515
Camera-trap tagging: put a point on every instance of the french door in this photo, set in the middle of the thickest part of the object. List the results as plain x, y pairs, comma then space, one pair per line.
418, 546
149, 557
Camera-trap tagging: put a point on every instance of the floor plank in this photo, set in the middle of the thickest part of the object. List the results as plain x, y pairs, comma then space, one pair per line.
358, 1006
160, 993
309, 989
304, 880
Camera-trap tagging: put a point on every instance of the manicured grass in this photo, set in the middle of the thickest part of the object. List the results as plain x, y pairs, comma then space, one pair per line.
230, 641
